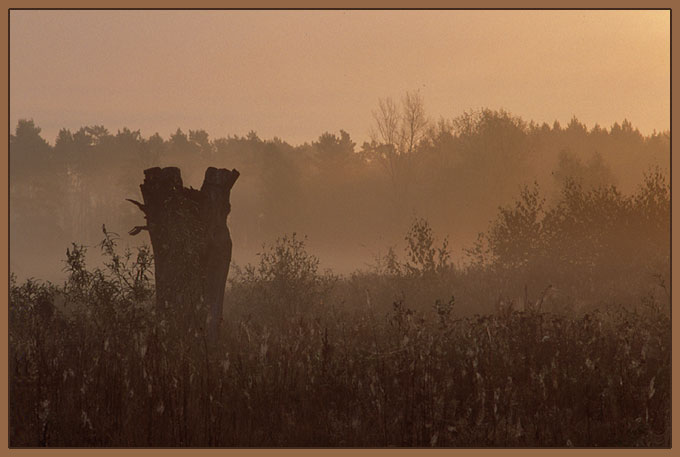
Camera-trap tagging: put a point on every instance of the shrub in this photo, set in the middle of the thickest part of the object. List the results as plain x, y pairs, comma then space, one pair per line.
286, 281
424, 258
594, 246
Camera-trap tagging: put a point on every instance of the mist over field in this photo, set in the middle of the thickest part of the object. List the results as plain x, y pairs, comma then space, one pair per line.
310, 229
353, 202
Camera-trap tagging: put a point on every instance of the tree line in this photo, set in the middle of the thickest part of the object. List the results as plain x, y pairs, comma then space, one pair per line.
350, 200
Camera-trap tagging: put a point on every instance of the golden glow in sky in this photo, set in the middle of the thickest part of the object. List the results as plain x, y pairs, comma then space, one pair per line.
297, 74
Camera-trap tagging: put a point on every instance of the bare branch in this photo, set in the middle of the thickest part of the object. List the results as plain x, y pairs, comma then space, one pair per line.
138, 229
139, 205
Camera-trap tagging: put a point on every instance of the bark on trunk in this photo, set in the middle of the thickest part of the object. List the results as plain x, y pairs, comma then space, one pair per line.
190, 241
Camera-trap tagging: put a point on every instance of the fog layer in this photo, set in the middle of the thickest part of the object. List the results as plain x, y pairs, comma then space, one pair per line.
353, 202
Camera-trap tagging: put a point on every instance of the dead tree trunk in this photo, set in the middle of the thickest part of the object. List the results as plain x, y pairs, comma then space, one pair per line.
190, 241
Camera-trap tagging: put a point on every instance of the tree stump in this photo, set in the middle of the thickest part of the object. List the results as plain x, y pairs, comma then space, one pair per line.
190, 242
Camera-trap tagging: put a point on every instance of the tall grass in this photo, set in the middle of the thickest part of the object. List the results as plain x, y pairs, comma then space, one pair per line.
91, 365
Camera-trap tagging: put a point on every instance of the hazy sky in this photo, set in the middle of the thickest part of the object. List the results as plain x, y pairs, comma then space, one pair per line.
297, 74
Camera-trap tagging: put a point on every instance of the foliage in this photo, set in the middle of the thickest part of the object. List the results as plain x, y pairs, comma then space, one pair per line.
286, 280
424, 258
515, 236
592, 244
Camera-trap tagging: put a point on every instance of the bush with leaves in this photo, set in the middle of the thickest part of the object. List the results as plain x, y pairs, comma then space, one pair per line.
424, 258
286, 281
593, 245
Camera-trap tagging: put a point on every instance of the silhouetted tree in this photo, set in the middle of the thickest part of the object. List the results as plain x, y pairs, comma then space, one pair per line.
191, 243
397, 133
